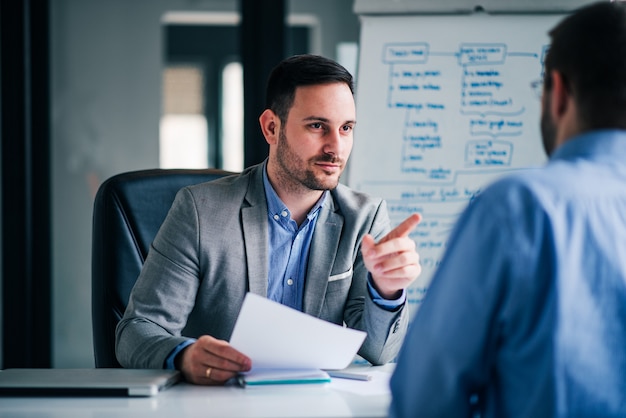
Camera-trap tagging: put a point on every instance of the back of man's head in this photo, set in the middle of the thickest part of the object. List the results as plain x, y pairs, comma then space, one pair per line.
589, 49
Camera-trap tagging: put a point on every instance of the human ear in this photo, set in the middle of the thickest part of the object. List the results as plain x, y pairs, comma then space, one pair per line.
269, 125
559, 94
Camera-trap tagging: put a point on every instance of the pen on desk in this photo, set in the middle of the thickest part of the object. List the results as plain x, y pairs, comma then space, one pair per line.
348, 375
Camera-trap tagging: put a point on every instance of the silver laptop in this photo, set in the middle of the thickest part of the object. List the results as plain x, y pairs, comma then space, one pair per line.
85, 382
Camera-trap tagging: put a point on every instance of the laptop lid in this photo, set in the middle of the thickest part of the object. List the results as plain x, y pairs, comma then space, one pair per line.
85, 382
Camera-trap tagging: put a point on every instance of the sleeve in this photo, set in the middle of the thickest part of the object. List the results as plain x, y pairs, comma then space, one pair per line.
165, 291
387, 304
444, 359
170, 360
385, 326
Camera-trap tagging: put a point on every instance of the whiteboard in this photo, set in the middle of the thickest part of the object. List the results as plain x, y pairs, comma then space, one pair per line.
444, 107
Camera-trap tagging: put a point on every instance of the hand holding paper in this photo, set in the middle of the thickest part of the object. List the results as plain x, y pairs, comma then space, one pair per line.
274, 337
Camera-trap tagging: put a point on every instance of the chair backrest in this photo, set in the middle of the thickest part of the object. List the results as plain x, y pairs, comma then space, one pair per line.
129, 209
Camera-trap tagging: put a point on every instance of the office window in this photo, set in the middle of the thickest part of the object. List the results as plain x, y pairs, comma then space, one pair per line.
183, 141
203, 88
232, 117
184, 133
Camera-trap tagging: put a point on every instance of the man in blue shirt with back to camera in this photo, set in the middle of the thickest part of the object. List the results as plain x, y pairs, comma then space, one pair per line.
526, 314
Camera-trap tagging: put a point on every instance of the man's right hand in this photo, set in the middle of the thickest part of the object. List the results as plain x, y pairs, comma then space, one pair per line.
210, 361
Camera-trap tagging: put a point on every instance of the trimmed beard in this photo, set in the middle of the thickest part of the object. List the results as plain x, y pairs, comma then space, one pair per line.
294, 167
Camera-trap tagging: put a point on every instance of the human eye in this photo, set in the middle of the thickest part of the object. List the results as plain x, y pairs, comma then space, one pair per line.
347, 128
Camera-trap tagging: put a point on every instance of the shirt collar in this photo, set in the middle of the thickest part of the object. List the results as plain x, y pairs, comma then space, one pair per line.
598, 144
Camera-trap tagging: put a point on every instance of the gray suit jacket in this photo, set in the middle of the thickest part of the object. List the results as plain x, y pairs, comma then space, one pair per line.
212, 249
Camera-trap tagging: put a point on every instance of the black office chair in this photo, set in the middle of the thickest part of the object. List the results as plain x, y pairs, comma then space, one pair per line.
129, 209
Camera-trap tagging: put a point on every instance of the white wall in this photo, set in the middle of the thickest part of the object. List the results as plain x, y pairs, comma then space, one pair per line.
106, 59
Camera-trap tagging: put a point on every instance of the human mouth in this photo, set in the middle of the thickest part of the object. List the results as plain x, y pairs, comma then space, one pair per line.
329, 167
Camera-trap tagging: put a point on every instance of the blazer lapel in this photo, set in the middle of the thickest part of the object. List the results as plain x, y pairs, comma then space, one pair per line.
254, 225
322, 257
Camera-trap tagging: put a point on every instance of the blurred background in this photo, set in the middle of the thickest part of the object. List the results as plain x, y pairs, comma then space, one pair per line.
94, 88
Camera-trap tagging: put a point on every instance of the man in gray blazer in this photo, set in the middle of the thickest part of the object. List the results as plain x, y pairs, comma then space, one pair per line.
284, 229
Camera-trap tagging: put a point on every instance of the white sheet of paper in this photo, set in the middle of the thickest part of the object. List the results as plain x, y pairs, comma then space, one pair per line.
276, 336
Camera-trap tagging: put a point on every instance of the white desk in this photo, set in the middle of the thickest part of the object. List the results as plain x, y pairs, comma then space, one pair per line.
340, 398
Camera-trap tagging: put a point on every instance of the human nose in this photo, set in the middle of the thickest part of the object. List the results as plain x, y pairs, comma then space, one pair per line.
333, 142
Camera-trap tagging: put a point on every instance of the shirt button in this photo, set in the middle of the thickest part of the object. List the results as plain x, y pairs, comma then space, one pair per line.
276, 217
284, 213
289, 282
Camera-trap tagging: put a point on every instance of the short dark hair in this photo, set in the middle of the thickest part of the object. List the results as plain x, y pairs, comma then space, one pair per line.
301, 70
589, 49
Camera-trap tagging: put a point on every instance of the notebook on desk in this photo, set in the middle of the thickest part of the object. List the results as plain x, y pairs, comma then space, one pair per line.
85, 382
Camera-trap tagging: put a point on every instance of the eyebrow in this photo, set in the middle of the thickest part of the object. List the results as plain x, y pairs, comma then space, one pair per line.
326, 120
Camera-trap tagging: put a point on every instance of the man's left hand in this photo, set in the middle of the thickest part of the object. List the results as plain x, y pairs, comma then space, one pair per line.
393, 262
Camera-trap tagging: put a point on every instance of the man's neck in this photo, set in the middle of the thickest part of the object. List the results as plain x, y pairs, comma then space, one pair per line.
298, 198
299, 204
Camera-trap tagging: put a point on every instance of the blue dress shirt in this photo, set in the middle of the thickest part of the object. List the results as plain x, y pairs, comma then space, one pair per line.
288, 248
526, 314
289, 253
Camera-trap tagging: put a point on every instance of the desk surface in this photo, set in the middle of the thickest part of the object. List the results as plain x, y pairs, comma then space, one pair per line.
340, 398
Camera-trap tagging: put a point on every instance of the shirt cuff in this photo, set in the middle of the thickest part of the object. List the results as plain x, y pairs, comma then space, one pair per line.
169, 361
387, 304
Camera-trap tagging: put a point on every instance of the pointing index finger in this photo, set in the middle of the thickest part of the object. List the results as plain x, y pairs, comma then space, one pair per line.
404, 228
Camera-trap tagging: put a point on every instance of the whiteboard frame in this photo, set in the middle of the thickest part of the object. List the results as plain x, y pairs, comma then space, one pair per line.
465, 6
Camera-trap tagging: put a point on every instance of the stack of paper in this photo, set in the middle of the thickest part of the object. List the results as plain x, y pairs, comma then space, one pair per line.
259, 377
288, 346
